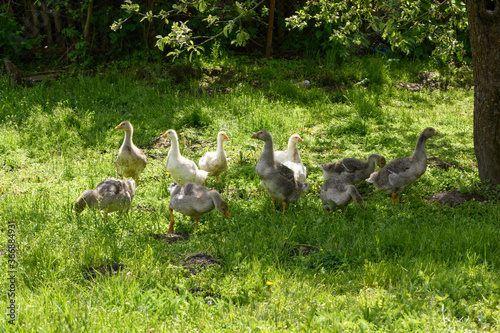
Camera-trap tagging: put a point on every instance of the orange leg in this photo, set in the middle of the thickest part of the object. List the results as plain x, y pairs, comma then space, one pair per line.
217, 179
274, 204
394, 197
284, 206
171, 226
195, 224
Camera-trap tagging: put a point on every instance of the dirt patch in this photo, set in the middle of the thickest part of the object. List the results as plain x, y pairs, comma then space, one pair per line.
208, 295
425, 80
198, 261
235, 192
157, 143
443, 164
174, 237
93, 272
300, 250
146, 209
210, 92
455, 198
191, 143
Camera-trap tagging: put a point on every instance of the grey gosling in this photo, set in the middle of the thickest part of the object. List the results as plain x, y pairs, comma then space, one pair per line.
194, 200
110, 195
401, 172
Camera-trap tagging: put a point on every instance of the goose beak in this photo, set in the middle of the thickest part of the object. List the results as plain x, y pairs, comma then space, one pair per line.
363, 206
436, 133
255, 136
118, 127
164, 135
300, 139
227, 214
226, 137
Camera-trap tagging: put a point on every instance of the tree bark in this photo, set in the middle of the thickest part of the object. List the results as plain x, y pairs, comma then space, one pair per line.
484, 31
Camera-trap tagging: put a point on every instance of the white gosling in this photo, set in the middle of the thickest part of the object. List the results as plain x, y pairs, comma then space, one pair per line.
182, 169
215, 162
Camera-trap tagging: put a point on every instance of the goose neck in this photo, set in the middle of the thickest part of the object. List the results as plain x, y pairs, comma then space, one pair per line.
220, 145
268, 150
128, 138
174, 146
419, 152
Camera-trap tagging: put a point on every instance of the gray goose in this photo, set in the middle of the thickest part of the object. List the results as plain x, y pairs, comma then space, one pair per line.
194, 200
338, 193
352, 170
278, 180
401, 172
110, 195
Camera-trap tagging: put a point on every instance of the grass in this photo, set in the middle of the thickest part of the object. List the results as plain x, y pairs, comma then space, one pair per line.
414, 266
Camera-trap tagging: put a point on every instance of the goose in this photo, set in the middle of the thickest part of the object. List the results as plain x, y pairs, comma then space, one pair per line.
351, 169
299, 170
215, 163
291, 158
131, 160
110, 195
337, 193
277, 179
401, 172
182, 169
292, 153
194, 200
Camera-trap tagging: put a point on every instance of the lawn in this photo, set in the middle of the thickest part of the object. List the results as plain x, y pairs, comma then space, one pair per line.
412, 266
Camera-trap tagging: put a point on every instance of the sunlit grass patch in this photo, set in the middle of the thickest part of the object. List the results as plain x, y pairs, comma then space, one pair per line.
411, 266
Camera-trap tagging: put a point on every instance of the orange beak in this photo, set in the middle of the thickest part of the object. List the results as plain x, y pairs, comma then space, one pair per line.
225, 137
227, 214
164, 135
300, 139
118, 127
254, 136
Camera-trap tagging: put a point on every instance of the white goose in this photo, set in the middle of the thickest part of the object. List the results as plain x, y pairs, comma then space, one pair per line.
291, 158
181, 169
215, 162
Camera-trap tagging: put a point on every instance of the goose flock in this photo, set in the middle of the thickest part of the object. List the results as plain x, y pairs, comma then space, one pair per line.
282, 175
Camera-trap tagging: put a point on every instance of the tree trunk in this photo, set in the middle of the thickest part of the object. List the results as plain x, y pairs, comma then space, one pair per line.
484, 31
86, 30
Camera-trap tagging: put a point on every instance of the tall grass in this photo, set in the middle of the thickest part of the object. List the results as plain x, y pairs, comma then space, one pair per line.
413, 266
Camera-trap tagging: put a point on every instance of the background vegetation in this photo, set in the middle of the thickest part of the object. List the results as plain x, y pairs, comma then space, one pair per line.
414, 266
90, 32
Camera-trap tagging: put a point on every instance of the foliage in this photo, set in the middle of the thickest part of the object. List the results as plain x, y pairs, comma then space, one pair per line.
413, 28
12, 41
210, 20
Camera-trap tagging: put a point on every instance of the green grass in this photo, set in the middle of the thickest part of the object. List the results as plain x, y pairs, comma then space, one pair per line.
414, 266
